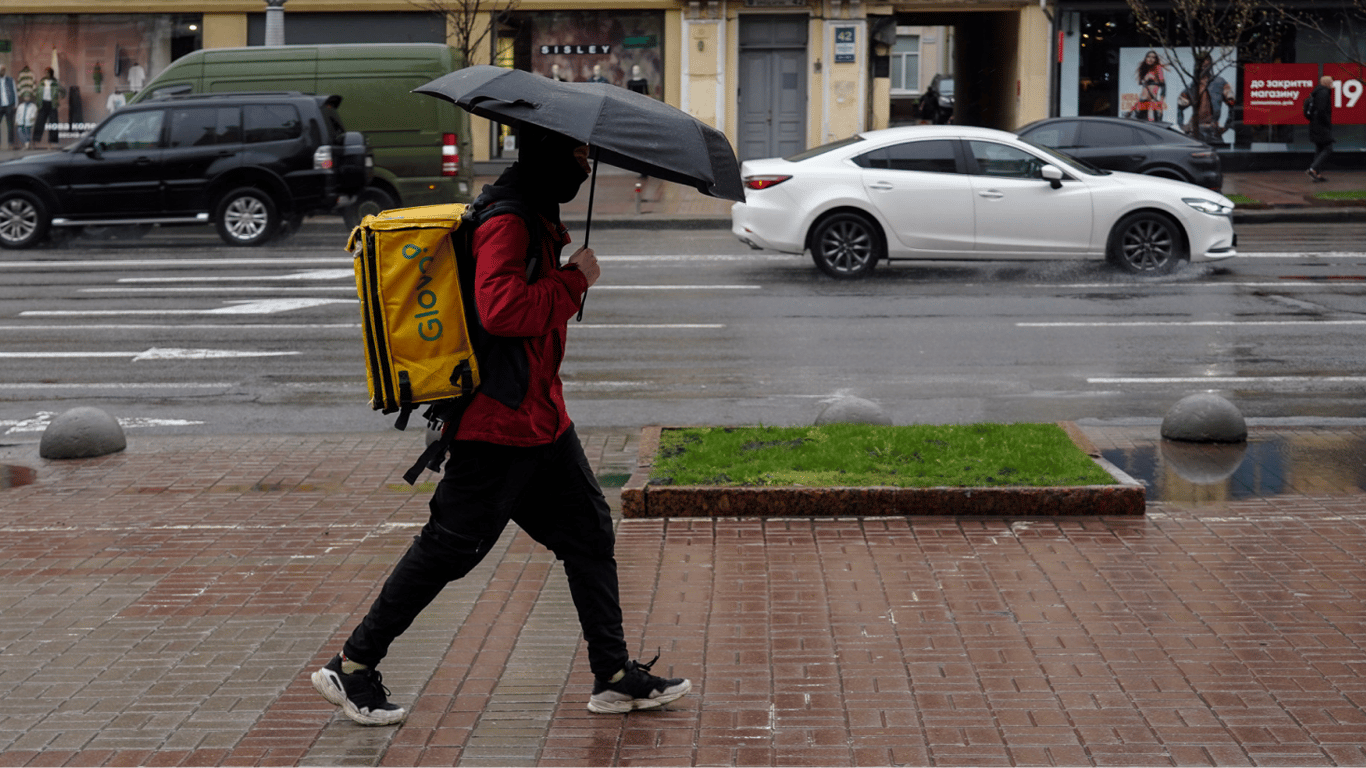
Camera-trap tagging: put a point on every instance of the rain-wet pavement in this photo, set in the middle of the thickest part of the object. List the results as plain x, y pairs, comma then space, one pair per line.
165, 605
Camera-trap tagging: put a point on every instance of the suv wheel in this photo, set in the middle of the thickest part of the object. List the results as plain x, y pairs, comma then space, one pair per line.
23, 219
247, 216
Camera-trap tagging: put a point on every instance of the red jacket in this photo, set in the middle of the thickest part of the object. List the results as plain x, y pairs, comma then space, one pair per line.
538, 312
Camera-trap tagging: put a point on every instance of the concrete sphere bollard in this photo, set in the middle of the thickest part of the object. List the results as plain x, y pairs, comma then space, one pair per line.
853, 410
82, 433
1204, 418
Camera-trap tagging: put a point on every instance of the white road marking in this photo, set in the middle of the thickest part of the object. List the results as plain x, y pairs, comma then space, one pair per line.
264, 307
226, 289
1183, 323
40, 421
185, 326
1227, 380
99, 265
120, 385
1202, 284
313, 274
155, 353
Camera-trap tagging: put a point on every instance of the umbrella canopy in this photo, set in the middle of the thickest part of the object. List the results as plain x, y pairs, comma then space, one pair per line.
626, 129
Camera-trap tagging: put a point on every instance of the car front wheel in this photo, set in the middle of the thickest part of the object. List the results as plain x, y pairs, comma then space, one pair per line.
1146, 244
846, 246
247, 216
23, 219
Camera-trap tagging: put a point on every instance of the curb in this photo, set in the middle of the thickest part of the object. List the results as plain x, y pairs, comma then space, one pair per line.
640, 500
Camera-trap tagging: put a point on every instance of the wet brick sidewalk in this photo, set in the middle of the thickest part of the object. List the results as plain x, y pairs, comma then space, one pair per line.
165, 605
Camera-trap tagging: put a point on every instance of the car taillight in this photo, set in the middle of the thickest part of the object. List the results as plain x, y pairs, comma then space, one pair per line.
450, 155
764, 182
322, 158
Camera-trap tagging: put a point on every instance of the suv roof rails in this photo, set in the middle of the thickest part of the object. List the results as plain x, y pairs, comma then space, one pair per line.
225, 95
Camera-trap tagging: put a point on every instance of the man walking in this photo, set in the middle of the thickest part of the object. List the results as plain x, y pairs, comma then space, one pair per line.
515, 456
9, 103
1320, 114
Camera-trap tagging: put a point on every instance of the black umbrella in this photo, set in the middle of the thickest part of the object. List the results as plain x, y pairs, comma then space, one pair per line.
624, 128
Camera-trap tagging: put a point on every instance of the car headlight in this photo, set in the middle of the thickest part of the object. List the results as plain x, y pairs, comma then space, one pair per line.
1208, 206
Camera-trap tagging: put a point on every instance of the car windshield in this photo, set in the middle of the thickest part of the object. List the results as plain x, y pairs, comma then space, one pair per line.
1068, 160
822, 149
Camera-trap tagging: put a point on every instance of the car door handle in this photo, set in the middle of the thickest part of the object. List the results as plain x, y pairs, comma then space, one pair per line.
991, 194
881, 185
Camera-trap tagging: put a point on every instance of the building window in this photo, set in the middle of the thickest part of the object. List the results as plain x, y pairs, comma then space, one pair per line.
905, 64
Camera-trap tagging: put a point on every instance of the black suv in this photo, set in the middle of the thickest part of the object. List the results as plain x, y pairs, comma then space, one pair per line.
245, 161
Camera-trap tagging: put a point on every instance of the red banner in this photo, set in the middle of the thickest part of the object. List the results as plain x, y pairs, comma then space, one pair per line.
1273, 94
1349, 103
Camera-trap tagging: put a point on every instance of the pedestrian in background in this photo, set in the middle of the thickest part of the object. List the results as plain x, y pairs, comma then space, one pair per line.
50, 93
9, 103
23, 119
1320, 114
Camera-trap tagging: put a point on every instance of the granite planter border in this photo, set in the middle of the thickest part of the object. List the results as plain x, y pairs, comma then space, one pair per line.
639, 499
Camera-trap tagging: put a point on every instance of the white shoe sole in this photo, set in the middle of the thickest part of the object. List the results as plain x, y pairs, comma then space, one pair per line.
327, 683
603, 707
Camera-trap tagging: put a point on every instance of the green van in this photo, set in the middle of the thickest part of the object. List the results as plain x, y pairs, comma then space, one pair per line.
417, 140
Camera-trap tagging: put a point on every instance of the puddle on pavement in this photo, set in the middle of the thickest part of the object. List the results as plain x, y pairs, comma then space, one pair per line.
1207, 473
12, 475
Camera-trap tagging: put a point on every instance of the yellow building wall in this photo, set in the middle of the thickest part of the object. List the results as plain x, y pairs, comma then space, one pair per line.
225, 30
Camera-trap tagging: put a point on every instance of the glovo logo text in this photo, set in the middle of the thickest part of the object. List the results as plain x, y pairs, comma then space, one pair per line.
429, 326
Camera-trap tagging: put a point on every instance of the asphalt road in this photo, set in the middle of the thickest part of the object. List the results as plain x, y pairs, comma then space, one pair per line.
177, 333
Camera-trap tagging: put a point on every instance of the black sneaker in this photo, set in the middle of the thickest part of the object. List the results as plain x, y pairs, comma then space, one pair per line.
637, 689
361, 695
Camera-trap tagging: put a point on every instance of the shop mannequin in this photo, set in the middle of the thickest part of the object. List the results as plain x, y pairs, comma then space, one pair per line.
638, 83
557, 74
597, 75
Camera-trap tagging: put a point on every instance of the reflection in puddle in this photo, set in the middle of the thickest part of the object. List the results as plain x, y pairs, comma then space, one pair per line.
12, 475
1200, 473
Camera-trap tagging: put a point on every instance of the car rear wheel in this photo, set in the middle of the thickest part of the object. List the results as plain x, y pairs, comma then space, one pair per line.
846, 246
1146, 243
23, 219
368, 203
247, 216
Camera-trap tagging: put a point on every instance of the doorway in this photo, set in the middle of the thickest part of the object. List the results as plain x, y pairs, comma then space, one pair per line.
772, 95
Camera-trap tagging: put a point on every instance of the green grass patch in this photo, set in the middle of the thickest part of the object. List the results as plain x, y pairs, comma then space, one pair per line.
919, 456
1242, 199
1345, 194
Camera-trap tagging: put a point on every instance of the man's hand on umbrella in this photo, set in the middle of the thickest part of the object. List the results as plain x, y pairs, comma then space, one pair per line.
584, 260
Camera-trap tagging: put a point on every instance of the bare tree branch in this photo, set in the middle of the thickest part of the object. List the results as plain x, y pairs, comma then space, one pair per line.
1349, 38
470, 21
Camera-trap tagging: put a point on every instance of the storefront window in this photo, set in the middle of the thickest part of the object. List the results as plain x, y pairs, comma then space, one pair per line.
1238, 100
96, 62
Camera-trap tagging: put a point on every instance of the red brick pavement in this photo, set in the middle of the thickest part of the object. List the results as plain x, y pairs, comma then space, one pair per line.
164, 606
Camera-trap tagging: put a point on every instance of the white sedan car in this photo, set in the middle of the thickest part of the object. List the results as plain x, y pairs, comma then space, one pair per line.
956, 192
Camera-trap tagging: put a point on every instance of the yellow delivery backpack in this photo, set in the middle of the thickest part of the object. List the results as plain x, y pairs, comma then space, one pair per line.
415, 275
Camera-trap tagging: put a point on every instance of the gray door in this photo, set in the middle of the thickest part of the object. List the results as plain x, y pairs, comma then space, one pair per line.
772, 98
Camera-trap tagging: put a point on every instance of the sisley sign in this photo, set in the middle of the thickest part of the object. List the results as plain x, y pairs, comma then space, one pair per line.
576, 50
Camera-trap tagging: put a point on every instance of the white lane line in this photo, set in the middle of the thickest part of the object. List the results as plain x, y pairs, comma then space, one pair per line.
313, 274
281, 263
1226, 380
647, 326
1302, 255
119, 385
1183, 323
39, 422
352, 288
265, 307
155, 353
186, 327
1275, 284
226, 289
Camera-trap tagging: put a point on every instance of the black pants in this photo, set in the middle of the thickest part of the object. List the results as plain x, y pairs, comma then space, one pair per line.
47, 113
550, 492
1324, 150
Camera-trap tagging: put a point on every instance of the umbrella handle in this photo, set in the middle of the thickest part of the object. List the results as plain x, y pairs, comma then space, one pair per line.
588, 225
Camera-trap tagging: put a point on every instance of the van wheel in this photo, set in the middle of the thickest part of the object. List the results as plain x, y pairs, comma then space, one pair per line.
368, 203
246, 216
23, 219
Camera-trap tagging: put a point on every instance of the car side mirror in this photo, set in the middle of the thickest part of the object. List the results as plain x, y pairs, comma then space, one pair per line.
1052, 174
91, 149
